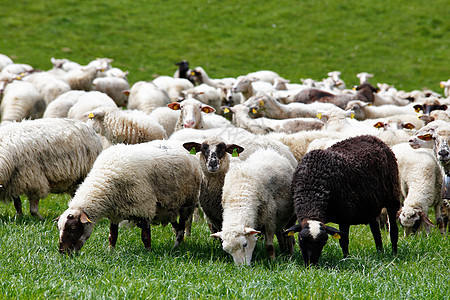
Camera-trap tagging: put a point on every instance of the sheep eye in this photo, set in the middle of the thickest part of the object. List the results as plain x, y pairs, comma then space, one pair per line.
244, 245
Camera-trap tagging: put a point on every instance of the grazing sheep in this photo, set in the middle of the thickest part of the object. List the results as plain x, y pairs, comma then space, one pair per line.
264, 125
44, 156
114, 87
256, 199
87, 102
60, 107
48, 85
347, 184
125, 126
146, 96
21, 100
148, 183
191, 115
420, 181
215, 164
4, 61
365, 92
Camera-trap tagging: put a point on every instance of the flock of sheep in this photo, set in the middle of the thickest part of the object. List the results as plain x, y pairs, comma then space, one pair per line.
257, 154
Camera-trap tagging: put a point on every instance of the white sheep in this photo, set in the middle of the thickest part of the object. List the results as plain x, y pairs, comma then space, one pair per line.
44, 156
21, 100
206, 94
250, 86
59, 107
4, 61
15, 69
256, 199
173, 86
167, 117
87, 102
263, 125
146, 96
264, 75
336, 77
191, 115
114, 87
125, 126
147, 183
446, 86
281, 84
364, 77
420, 179
49, 85
116, 72
64, 64
200, 76
81, 78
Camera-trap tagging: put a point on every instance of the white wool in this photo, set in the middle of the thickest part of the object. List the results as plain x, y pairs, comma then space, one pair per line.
314, 228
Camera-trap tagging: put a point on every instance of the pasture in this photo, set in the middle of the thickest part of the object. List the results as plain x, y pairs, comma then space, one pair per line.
403, 43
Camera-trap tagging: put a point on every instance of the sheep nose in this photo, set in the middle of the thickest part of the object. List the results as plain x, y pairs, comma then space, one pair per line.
443, 152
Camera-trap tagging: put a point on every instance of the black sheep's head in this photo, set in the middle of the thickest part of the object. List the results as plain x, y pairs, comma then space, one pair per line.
312, 237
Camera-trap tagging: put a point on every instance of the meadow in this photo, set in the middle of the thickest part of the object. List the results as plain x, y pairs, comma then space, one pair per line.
404, 43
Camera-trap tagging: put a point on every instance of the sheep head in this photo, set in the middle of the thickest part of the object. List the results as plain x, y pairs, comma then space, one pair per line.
74, 229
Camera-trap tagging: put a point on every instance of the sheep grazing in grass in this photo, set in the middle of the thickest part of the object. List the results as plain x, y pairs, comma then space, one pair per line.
256, 199
420, 180
147, 183
215, 158
21, 100
125, 126
44, 156
348, 184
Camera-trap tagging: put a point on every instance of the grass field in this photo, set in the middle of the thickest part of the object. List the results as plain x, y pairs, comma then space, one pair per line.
405, 43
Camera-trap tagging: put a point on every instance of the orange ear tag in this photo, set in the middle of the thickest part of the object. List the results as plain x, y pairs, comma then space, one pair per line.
336, 236
291, 233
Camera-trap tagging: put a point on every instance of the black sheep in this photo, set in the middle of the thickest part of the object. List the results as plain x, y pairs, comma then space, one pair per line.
347, 184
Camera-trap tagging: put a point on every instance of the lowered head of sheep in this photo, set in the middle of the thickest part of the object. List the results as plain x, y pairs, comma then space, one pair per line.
411, 218
75, 228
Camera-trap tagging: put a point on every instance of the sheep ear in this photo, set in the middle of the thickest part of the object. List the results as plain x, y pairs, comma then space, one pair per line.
234, 148
84, 218
417, 108
293, 229
337, 234
217, 235
442, 107
174, 105
378, 125
126, 92
192, 145
425, 218
250, 231
207, 109
409, 126
425, 137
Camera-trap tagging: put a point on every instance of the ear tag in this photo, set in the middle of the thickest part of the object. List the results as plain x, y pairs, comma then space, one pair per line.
336, 236
291, 233
441, 85
88, 219
91, 116
254, 111
261, 103
235, 153
226, 111
352, 116
193, 151
417, 110
192, 73
319, 116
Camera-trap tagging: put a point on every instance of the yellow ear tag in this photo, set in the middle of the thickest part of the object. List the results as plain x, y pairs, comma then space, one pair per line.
441, 85
417, 110
193, 151
261, 103
88, 219
254, 111
336, 236
192, 73
235, 153
91, 116
226, 111
319, 116
352, 116
291, 233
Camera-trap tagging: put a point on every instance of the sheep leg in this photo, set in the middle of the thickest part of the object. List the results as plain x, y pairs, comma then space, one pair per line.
146, 235
344, 241
18, 205
439, 219
113, 234
185, 214
269, 245
375, 228
393, 229
34, 208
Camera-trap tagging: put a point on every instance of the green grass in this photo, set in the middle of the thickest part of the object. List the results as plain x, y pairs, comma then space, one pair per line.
31, 267
405, 43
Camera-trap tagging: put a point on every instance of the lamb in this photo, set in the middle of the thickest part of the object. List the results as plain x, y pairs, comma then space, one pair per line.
228, 97
256, 199
215, 163
60, 107
263, 125
338, 82
363, 110
21, 100
173, 86
87, 102
49, 85
130, 182
365, 92
44, 156
4, 61
191, 115
364, 77
347, 184
146, 96
271, 108
125, 126
420, 180
114, 87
